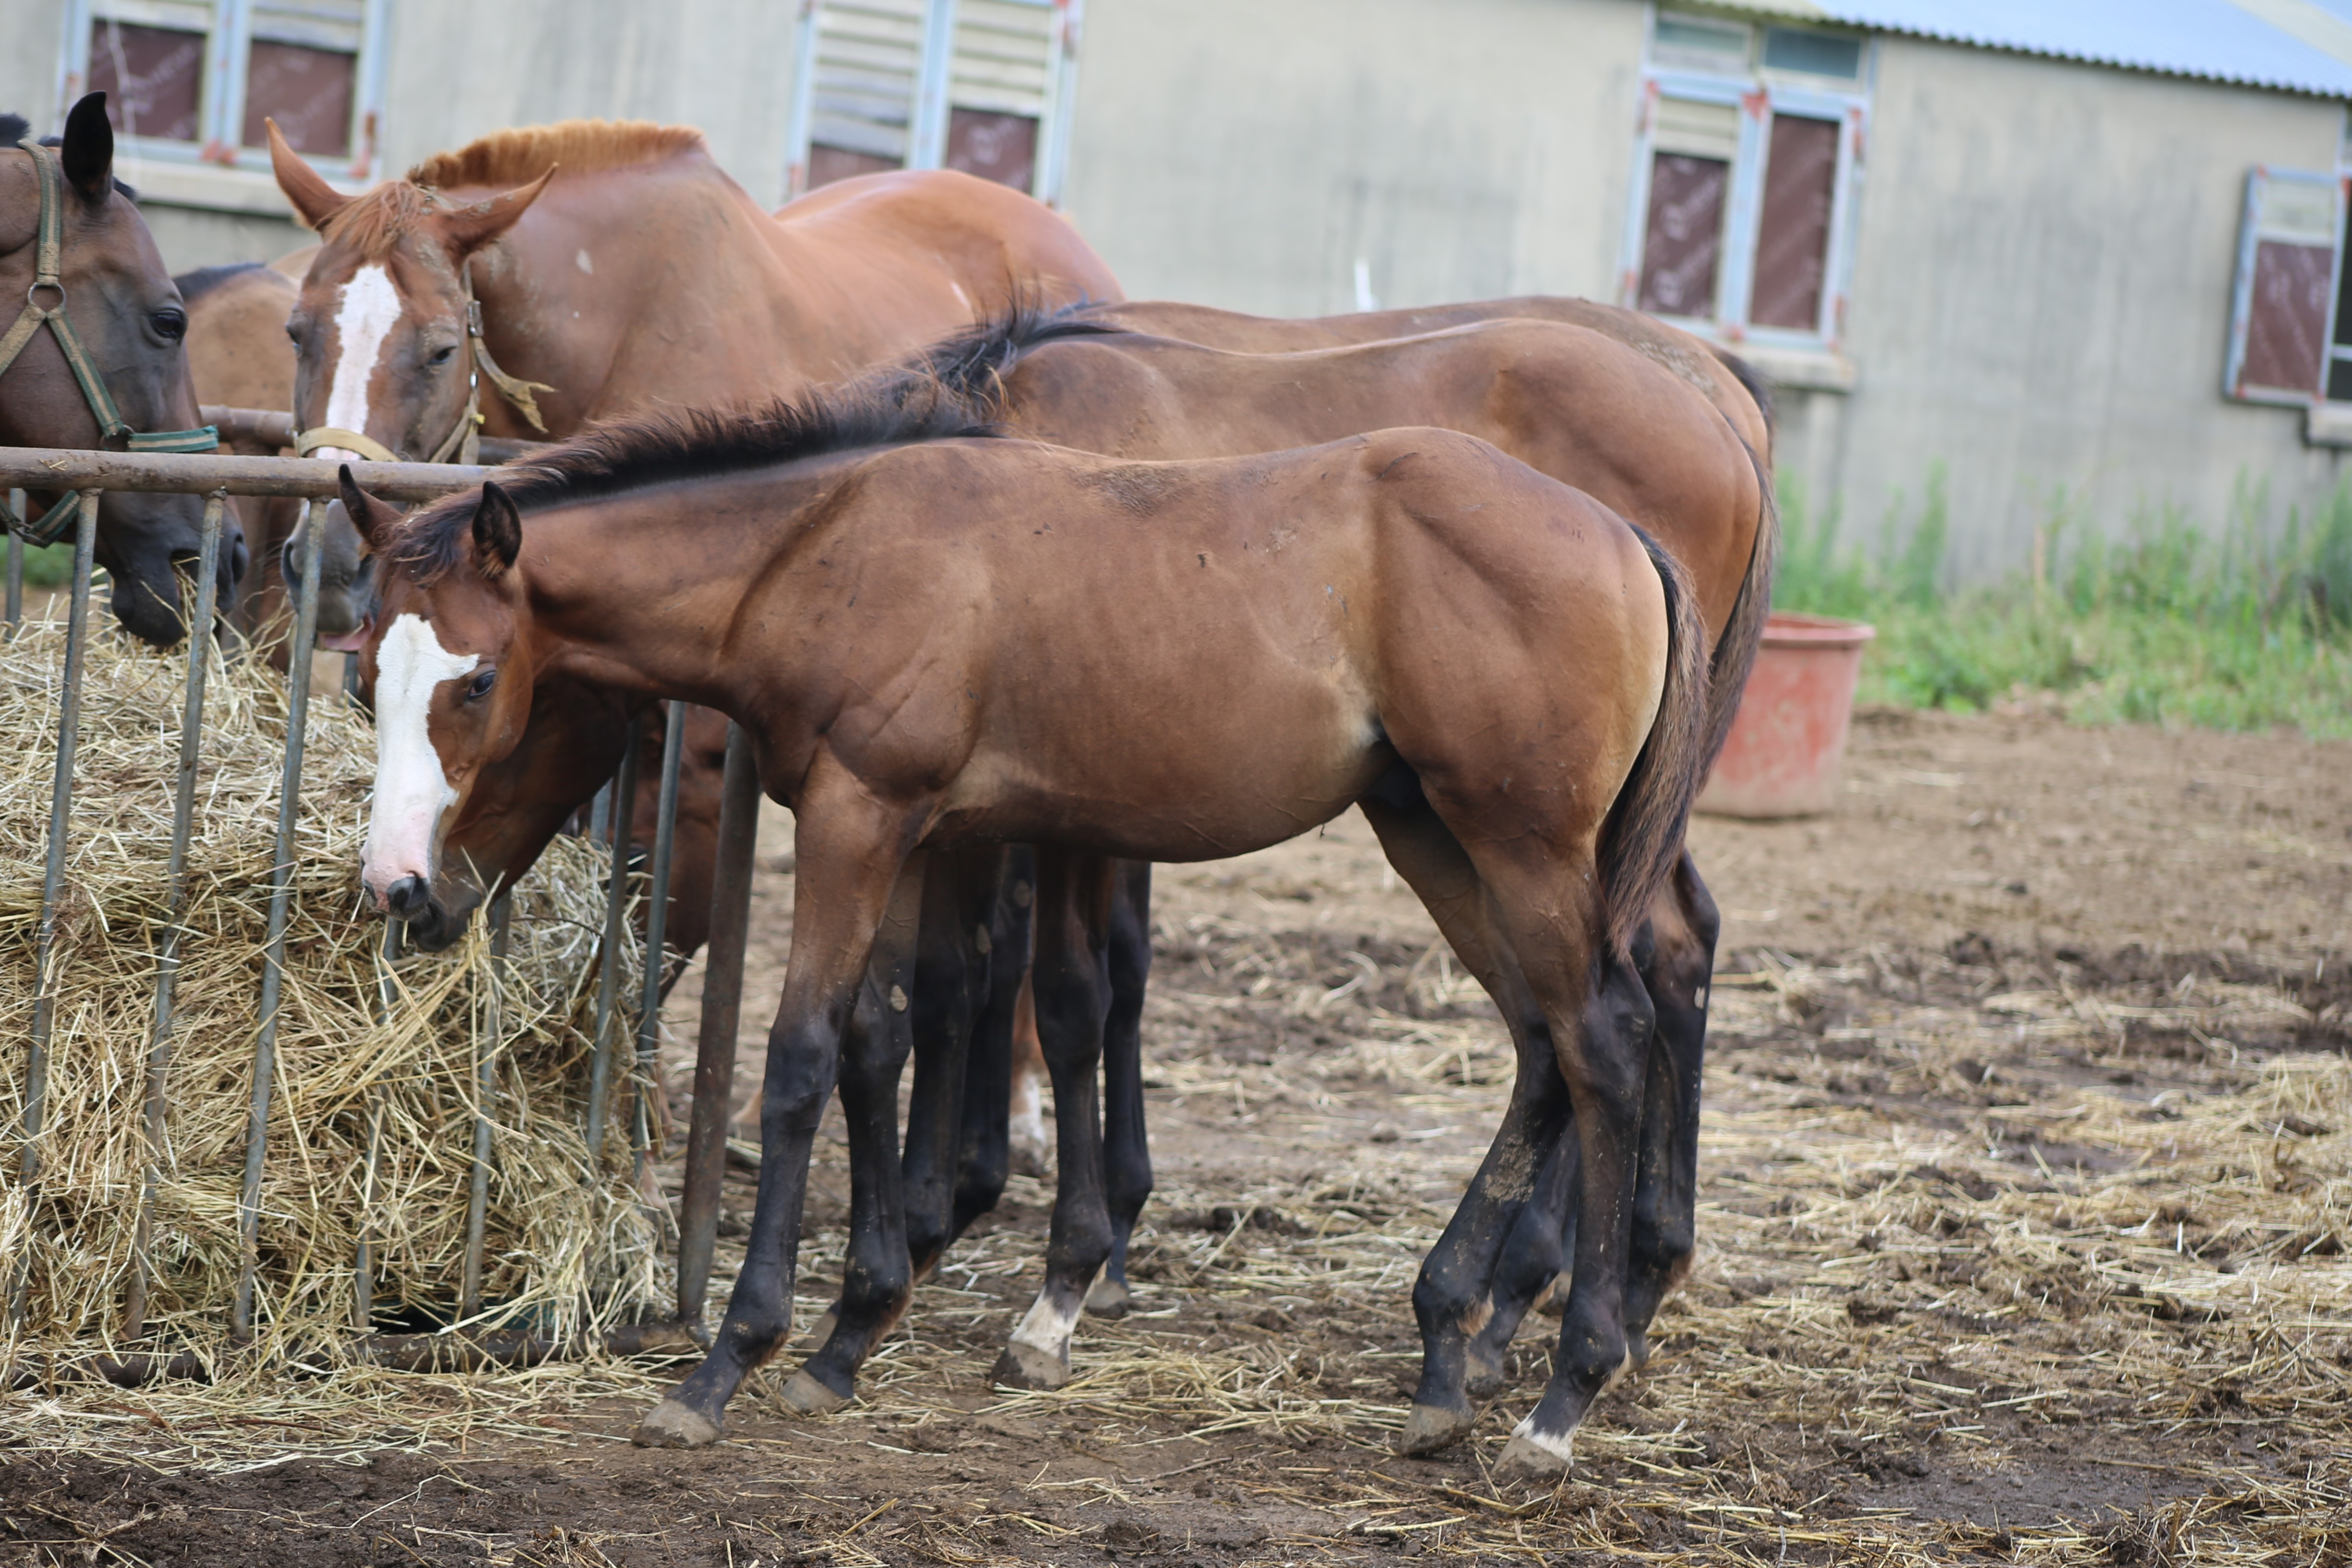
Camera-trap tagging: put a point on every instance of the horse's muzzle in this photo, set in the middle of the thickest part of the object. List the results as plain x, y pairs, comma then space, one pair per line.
409, 898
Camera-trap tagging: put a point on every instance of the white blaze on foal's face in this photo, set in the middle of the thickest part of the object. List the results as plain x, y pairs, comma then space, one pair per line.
411, 789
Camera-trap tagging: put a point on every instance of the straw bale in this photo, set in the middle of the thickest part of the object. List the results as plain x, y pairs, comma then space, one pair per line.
568, 1248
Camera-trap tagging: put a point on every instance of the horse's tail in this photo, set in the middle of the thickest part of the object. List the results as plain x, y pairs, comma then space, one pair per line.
1642, 836
1744, 632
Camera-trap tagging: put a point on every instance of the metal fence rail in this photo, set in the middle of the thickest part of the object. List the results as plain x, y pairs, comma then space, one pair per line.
91, 473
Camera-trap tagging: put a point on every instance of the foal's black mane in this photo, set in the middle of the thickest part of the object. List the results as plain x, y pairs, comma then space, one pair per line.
896, 406
195, 284
971, 363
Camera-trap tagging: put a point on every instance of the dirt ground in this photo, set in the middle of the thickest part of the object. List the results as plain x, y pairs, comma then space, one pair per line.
2027, 1182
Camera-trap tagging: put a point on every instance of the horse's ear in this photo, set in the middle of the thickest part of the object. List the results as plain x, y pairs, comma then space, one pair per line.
374, 520
468, 229
497, 531
88, 152
314, 200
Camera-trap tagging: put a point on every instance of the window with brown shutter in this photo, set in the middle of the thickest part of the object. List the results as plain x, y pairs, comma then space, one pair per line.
1792, 237
199, 81
1751, 136
2278, 329
980, 85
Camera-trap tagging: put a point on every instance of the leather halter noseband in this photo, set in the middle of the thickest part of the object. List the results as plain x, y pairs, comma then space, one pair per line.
464, 441
34, 316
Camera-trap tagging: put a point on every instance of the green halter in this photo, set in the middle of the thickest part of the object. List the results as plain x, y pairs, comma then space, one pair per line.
111, 425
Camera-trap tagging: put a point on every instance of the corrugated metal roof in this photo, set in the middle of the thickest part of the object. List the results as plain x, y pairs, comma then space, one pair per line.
2302, 46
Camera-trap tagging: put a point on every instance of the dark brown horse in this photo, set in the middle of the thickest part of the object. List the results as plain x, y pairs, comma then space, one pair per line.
125, 318
548, 277
1507, 676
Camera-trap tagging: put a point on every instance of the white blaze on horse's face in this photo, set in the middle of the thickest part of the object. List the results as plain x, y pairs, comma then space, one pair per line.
365, 313
412, 792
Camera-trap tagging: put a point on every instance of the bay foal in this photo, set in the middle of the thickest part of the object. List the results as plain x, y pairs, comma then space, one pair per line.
1506, 675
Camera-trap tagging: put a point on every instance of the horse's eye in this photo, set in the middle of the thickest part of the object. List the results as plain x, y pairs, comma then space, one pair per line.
480, 687
294, 332
443, 355
170, 325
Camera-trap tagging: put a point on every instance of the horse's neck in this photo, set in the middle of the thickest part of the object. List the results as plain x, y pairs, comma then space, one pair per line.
675, 298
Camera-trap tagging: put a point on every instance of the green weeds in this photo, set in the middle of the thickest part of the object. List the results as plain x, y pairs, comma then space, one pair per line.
2164, 624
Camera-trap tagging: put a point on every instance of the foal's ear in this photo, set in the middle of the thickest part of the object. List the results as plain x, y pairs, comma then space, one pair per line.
87, 149
497, 531
373, 519
314, 201
469, 229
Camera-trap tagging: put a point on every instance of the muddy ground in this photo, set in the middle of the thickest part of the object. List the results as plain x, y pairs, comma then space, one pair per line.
2027, 1188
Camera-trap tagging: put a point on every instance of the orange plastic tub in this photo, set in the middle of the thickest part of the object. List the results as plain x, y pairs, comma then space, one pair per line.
1786, 748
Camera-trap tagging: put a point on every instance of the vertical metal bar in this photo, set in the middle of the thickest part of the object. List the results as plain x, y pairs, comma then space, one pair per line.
16, 607
486, 1060
351, 677
616, 930
600, 815
656, 934
53, 879
167, 953
363, 1258
281, 901
722, 1015
927, 119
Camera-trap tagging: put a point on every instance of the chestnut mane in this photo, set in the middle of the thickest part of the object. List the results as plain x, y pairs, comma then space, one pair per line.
377, 222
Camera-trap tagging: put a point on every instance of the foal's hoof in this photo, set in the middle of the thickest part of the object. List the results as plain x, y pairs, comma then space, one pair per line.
1024, 1366
1428, 1428
1637, 1351
676, 1425
1483, 1378
1530, 1457
1108, 1297
808, 1396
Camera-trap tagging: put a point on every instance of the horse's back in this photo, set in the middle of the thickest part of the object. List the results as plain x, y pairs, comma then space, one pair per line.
969, 221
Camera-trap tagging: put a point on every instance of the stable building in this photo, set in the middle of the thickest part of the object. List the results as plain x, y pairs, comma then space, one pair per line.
2084, 257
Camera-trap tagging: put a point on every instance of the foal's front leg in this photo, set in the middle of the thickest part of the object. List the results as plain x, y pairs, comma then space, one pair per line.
848, 850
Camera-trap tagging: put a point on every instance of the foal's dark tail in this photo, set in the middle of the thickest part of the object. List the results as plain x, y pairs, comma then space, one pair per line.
1642, 836
1742, 634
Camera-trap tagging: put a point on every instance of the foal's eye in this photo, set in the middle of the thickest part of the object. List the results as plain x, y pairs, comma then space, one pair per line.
480, 687
294, 332
443, 355
170, 325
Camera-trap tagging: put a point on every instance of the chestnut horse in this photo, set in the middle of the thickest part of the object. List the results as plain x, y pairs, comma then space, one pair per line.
111, 298
1508, 678
540, 278
238, 356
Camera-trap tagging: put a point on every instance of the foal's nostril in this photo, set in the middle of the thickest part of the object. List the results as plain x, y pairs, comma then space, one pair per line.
409, 898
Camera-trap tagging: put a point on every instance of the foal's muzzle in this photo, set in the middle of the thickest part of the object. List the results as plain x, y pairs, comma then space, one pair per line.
408, 897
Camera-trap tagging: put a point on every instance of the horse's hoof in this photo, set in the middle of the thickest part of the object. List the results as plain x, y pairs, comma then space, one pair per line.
1484, 1378
1552, 1300
1025, 1366
808, 1396
1032, 1160
1108, 1297
1637, 1351
1528, 1458
676, 1425
1428, 1428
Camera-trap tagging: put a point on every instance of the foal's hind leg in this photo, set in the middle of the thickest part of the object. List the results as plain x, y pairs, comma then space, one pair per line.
983, 1154
1127, 1149
1450, 1296
954, 960
1531, 1261
1071, 973
1678, 966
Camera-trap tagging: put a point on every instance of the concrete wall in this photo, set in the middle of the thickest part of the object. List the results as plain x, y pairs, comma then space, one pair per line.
2040, 298
1246, 154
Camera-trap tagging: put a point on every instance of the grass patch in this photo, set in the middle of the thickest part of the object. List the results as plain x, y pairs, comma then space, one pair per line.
2244, 629
49, 566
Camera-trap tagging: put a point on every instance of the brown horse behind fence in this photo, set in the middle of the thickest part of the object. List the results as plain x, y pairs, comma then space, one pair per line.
126, 318
1508, 678
239, 357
